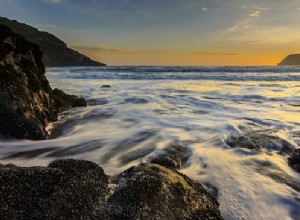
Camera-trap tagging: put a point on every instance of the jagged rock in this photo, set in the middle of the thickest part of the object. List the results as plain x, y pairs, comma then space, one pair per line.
75, 189
64, 101
27, 102
174, 156
291, 60
56, 52
256, 139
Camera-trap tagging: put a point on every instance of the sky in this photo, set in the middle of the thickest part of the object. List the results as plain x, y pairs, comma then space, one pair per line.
168, 32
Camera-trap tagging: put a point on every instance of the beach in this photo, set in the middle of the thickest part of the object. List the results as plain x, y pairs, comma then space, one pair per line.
234, 127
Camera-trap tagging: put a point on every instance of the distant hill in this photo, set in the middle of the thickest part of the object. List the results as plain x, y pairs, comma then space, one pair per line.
291, 60
55, 51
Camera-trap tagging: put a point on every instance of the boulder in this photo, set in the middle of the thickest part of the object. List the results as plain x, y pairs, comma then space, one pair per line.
260, 140
27, 102
150, 191
75, 189
67, 189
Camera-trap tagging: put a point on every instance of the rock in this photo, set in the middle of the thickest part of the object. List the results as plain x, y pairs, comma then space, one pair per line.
56, 52
255, 139
10, 165
136, 100
174, 156
294, 160
291, 60
75, 189
25, 191
150, 191
67, 189
170, 162
27, 102
82, 191
105, 86
64, 101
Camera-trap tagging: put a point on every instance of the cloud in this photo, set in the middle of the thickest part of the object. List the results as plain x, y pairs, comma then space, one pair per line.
255, 14
204, 9
52, 1
249, 32
105, 49
215, 53
254, 10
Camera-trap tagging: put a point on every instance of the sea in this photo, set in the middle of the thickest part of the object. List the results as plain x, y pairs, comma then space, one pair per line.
236, 127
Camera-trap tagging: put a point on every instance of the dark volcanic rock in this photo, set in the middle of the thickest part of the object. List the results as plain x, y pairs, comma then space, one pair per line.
259, 139
64, 101
150, 191
74, 189
67, 189
27, 102
105, 86
174, 156
294, 160
56, 52
291, 60
170, 162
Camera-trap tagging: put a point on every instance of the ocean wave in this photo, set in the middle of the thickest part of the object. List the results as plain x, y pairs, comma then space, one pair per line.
227, 73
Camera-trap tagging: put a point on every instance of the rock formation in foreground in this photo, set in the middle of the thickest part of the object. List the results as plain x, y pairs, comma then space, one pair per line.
56, 52
291, 60
74, 189
27, 102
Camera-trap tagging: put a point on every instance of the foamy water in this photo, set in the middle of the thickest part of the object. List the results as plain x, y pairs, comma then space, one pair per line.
149, 111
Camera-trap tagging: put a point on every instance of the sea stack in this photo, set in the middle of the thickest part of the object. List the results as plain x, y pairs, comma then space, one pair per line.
291, 60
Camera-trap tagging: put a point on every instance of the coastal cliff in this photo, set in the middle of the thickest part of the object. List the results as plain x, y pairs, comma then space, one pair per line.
291, 60
27, 102
55, 51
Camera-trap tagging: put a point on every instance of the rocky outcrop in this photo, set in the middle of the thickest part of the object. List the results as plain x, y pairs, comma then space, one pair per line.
56, 52
151, 191
253, 138
291, 60
74, 189
27, 102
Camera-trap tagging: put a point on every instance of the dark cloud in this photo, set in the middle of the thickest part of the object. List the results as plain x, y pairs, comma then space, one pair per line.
106, 49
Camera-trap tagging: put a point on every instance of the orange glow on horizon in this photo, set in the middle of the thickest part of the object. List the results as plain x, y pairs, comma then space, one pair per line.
185, 59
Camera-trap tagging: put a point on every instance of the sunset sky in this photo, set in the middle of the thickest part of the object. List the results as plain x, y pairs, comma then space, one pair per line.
168, 32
